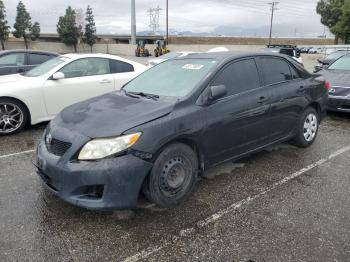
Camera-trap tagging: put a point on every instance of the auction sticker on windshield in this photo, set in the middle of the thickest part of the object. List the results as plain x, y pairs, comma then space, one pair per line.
193, 66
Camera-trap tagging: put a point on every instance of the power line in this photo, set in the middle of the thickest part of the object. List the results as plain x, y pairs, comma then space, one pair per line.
273, 9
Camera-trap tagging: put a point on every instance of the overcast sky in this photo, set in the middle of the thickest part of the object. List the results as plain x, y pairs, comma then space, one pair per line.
239, 17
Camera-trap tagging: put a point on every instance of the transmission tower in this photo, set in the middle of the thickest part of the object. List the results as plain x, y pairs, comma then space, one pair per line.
154, 14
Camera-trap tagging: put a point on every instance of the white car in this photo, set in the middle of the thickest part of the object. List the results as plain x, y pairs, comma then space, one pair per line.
168, 56
41, 93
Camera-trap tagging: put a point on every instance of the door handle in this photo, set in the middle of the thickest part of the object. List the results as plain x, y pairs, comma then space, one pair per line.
262, 99
106, 81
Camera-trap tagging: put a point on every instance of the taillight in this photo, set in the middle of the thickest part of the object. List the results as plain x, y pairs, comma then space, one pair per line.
327, 85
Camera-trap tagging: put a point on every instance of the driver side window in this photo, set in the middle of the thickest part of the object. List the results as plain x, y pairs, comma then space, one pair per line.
86, 67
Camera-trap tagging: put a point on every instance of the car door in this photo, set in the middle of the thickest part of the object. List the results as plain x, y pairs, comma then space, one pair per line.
238, 122
122, 72
84, 78
12, 63
287, 98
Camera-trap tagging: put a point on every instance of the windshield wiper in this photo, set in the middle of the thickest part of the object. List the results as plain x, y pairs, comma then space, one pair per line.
130, 94
149, 96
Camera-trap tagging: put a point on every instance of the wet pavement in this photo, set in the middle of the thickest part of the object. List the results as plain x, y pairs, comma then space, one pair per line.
283, 204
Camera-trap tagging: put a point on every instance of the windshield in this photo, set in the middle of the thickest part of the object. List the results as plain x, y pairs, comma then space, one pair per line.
342, 63
46, 67
334, 56
175, 78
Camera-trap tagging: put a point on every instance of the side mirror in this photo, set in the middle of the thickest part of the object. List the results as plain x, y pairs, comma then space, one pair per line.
217, 92
57, 76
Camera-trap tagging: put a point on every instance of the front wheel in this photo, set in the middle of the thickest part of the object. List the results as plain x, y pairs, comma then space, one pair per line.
173, 176
13, 116
307, 128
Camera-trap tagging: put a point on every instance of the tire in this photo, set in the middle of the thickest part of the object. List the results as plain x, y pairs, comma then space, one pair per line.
13, 116
173, 176
307, 129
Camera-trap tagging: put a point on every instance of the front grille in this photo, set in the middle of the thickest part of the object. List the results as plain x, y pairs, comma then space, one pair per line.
58, 147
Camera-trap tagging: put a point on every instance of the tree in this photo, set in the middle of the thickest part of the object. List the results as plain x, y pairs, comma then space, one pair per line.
4, 28
35, 31
342, 28
331, 12
23, 25
67, 28
90, 28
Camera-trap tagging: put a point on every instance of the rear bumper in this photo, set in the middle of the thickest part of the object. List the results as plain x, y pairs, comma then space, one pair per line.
108, 184
339, 104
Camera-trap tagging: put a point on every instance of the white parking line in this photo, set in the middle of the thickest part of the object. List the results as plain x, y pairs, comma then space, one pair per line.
18, 154
216, 216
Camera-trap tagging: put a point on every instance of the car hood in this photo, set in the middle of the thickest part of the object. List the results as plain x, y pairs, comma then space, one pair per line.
11, 78
337, 77
111, 114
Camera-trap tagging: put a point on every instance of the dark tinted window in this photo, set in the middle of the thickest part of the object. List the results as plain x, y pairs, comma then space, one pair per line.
275, 70
239, 77
289, 52
37, 59
121, 67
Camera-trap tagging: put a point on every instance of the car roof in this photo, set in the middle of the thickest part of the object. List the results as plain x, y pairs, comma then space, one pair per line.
224, 56
27, 51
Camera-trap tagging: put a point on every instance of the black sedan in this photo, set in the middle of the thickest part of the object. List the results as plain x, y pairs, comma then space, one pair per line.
19, 61
175, 121
338, 74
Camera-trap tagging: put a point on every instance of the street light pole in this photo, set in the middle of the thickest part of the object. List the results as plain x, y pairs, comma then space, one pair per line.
167, 21
273, 9
133, 23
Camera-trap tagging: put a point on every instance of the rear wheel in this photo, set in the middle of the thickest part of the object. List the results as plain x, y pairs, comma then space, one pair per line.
173, 176
307, 129
13, 116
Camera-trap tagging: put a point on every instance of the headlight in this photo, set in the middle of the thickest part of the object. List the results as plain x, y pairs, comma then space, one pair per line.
103, 147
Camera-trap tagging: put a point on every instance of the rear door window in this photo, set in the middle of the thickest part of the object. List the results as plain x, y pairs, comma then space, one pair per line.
275, 70
239, 77
37, 59
294, 72
121, 67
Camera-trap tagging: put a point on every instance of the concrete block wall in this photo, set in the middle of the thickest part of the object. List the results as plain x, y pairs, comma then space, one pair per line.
120, 49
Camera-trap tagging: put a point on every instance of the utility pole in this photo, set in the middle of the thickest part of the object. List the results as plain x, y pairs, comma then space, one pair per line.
167, 22
133, 23
273, 9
